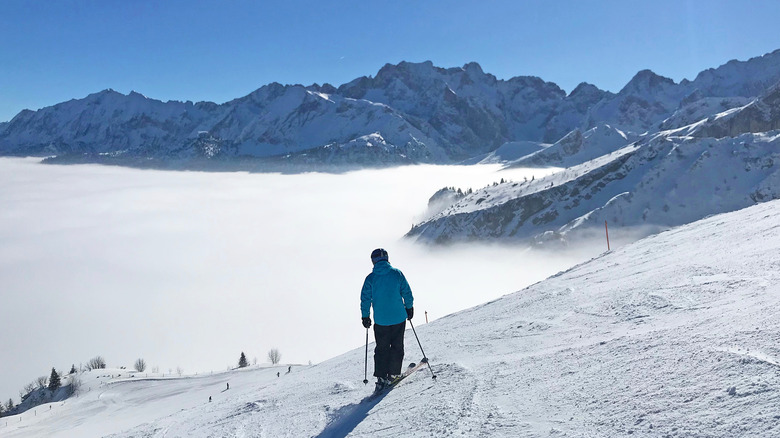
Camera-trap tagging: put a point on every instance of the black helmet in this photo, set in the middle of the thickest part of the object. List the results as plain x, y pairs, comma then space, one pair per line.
379, 254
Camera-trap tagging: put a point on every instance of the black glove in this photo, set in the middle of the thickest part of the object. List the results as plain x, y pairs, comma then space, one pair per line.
366, 322
409, 313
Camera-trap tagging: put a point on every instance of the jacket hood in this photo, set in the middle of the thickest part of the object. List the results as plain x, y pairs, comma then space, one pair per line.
382, 267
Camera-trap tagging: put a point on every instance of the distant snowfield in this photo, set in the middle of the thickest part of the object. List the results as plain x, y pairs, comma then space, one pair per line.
675, 335
189, 269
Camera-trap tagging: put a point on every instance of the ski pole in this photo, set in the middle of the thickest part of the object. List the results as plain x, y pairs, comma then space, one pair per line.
365, 374
425, 358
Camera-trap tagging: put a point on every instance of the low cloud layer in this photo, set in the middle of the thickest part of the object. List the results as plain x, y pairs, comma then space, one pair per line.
189, 269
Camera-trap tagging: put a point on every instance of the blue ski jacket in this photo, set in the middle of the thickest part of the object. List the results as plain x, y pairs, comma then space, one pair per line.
387, 290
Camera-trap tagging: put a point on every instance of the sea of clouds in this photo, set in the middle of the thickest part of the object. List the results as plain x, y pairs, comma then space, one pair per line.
189, 269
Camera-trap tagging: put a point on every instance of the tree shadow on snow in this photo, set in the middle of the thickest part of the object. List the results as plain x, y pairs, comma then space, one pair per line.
346, 418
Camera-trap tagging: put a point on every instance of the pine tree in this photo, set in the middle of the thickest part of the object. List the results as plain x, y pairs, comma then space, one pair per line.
242, 363
72, 369
54, 381
10, 405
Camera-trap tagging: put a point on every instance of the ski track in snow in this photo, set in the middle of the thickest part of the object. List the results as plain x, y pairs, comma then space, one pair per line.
677, 335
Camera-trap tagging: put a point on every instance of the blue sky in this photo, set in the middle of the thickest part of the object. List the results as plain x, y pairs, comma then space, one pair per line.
219, 50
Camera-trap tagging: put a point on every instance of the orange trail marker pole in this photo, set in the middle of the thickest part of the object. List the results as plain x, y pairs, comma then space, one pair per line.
426, 317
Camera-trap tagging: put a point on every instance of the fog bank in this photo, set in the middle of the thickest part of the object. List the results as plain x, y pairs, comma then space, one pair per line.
189, 269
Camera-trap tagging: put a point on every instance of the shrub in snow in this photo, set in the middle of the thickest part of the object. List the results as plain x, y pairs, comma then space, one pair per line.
42, 381
274, 356
75, 384
96, 363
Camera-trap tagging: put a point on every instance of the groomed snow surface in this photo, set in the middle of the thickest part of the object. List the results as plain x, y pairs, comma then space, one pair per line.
677, 335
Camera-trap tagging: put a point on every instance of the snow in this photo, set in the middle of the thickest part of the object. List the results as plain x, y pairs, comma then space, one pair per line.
671, 180
511, 151
576, 148
674, 335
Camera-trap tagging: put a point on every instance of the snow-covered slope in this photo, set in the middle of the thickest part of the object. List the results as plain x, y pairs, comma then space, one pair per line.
577, 147
111, 400
760, 115
652, 184
510, 151
700, 108
675, 335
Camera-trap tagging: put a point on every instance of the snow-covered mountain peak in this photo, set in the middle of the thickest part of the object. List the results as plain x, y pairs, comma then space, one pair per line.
406, 71
266, 92
585, 90
473, 68
645, 83
740, 78
108, 95
324, 88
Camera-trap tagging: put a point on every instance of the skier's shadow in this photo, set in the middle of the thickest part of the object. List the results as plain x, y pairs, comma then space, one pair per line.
346, 418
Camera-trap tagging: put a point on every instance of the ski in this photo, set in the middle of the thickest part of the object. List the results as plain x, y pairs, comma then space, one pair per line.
411, 368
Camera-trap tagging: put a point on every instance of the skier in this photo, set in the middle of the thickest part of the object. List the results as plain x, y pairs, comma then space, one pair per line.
387, 291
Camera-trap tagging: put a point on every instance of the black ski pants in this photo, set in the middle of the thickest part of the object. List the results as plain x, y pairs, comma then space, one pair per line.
389, 351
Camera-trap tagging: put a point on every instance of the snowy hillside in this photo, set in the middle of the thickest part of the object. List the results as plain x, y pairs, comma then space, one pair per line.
675, 335
417, 112
509, 151
576, 148
649, 185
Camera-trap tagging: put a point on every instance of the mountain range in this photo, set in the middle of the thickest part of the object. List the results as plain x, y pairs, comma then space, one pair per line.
407, 113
